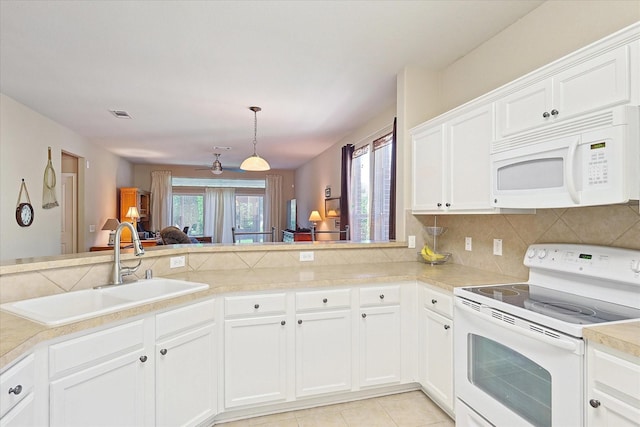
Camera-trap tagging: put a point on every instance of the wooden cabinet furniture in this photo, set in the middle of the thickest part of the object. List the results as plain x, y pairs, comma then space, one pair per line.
289, 236
613, 387
145, 243
435, 366
255, 348
130, 196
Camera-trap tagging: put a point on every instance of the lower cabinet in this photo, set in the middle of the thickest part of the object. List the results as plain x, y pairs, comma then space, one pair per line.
436, 348
159, 370
613, 388
17, 394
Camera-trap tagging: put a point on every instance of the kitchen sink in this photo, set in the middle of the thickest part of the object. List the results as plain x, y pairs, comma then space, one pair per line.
60, 309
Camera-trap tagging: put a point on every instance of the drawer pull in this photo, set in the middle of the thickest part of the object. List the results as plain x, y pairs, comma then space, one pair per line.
594, 403
434, 301
143, 358
364, 315
16, 390
300, 322
257, 306
163, 351
545, 115
283, 323
447, 327
381, 296
324, 300
554, 112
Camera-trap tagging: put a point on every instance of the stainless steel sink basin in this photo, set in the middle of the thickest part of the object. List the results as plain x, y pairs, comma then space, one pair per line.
55, 310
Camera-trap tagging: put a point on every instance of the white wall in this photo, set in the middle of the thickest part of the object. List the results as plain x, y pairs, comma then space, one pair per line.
24, 138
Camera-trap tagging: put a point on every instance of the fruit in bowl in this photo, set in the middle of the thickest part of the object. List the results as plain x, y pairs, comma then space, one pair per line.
433, 257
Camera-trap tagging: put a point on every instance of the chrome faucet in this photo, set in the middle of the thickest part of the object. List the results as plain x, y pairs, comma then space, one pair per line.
118, 270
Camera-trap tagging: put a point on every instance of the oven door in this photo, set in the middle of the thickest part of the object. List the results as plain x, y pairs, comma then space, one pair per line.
514, 373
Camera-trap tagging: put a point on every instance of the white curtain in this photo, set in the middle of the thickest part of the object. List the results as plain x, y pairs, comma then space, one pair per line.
220, 211
161, 200
273, 204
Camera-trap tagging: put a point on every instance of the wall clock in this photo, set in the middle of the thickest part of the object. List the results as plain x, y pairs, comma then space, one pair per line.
24, 210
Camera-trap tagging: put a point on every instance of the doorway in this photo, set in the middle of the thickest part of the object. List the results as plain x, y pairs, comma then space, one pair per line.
69, 199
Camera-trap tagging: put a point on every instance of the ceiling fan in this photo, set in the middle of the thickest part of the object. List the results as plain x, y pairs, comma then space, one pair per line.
216, 166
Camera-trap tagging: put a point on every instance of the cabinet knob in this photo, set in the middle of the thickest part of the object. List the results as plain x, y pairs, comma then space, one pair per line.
594, 403
143, 359
364, 315
545, 115
434, 301
554, 112
447, 204
439, 205
283, 323
324, 300
257, 306
381, 296
16, 390
163, 351
300, 322
447, 327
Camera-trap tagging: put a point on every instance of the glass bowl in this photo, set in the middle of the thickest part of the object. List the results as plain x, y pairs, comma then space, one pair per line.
445, 258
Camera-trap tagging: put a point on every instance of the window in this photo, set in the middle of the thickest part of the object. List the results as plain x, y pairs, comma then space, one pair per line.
371, 190
188, 204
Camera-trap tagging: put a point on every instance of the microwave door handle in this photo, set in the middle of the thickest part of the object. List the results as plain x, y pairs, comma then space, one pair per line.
565, 345
569, 171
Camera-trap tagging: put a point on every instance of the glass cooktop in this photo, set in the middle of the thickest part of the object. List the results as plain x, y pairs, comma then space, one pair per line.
559, 305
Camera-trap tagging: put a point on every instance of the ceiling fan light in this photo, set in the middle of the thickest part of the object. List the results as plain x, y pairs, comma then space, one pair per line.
255, 163
216, 168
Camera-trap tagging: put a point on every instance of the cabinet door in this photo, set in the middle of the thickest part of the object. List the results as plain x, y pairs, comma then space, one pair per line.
436, 361
594, 84
323, 352
524, 109
428, 170
379, 345
108, 394
469, 141
186, 378
255, 360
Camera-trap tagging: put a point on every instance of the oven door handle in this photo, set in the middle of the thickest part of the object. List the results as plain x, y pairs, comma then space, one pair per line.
565, 345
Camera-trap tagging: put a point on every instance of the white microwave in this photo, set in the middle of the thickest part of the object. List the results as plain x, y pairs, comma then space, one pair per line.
593, 160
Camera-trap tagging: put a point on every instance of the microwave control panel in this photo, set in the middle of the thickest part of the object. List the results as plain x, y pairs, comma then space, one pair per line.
597, 167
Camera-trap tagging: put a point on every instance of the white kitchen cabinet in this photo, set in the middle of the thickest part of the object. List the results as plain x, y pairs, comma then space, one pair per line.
588, 85
17, 385
186, 386
436, 348
451, 169
255, 348
379, 336
613, 387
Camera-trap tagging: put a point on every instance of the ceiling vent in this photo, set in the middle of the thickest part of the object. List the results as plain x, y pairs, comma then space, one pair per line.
121, 114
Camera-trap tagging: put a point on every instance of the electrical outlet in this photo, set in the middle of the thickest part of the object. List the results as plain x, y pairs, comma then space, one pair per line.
92, 228
467, 243
177, 261
411, 242
497, 247
306, 256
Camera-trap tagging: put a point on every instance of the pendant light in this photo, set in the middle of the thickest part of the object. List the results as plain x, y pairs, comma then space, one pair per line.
255, 162
216, 167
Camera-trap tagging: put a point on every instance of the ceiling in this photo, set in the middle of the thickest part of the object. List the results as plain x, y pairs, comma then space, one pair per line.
187, 71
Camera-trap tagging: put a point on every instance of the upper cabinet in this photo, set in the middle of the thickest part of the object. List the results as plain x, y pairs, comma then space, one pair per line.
589, 85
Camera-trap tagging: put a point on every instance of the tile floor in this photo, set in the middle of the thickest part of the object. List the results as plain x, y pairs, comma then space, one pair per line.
412, 409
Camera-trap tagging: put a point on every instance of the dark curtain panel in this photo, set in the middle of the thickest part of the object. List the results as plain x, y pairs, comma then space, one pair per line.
345, 187
392, 194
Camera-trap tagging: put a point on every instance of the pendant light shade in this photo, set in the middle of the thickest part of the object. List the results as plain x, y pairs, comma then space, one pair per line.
255, 162
216, 167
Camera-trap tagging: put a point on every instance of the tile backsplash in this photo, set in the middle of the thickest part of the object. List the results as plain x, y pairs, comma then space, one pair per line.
611, 225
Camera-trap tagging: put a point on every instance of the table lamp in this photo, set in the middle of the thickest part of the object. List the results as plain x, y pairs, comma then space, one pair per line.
134, 215
111, 225
314, 217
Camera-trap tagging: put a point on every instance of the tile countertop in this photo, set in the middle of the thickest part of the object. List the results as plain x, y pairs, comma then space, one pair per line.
18, 335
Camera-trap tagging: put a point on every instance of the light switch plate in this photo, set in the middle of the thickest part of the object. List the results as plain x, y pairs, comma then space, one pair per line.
467, 243
177, 261
306, 256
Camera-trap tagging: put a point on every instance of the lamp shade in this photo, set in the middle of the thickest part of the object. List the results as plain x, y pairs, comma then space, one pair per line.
133, 213
111, 224
315, 216
255, 163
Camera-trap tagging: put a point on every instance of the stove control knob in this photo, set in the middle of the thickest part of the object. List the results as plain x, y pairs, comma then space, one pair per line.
531, 253
542, 253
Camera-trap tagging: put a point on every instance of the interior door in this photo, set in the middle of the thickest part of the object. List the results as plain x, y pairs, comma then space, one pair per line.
69, 229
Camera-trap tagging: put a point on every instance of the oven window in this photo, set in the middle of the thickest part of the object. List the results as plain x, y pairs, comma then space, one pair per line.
512, 379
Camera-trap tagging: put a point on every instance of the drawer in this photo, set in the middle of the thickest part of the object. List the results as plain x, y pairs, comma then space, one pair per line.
184, 318
89, 348
19, 379
255, 305
325, 299
439, 301
379, 295
614, 373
